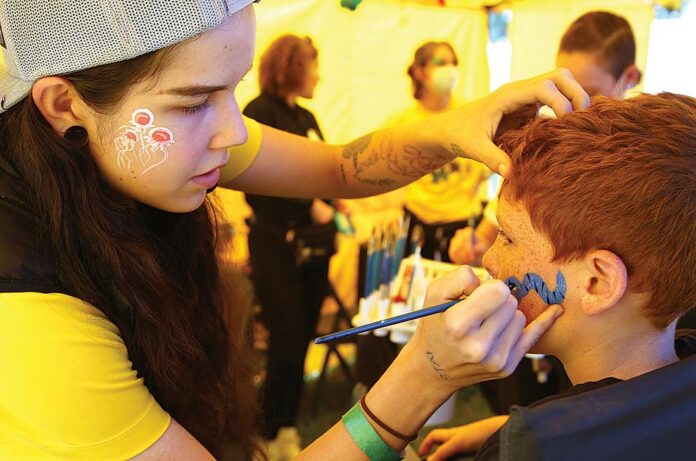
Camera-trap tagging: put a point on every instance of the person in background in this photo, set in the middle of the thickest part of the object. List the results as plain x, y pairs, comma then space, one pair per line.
446, 199
599, 49
289, 267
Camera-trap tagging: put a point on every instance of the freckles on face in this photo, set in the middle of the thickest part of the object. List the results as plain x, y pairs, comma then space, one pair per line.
522, 253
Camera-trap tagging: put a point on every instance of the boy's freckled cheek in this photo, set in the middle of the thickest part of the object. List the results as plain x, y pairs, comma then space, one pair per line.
531, 306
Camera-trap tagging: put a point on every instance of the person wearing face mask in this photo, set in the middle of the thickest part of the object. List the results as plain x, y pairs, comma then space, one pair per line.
446, 199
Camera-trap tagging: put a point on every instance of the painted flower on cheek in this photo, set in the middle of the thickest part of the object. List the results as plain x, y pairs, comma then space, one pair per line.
143, 139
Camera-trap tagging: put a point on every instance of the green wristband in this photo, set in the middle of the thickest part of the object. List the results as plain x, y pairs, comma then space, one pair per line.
365, 436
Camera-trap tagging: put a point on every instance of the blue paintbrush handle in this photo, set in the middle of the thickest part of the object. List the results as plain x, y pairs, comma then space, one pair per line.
387, 322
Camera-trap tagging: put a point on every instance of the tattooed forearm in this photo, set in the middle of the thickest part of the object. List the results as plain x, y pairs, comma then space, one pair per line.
436, 366
413, 162
352, 152
458, 151
384, 182
371, 155
371, 160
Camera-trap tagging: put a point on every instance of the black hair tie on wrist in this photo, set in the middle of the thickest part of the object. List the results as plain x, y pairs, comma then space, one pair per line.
398, 435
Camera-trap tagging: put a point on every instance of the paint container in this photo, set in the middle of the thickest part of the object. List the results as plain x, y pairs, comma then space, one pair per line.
401, 333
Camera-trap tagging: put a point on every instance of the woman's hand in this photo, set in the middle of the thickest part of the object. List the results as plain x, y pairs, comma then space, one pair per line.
470, 131
462, 439
481, 338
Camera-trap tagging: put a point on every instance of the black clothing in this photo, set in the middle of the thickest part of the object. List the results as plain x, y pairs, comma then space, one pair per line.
685, 346
276, 113
436, 237
290, 294
23, 266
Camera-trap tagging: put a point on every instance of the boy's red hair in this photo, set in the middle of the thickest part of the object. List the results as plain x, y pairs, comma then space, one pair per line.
619, 176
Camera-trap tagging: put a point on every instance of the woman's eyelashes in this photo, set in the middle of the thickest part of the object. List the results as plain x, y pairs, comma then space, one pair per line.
191, 110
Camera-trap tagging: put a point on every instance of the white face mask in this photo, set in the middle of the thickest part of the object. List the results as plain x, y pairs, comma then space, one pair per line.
443, 79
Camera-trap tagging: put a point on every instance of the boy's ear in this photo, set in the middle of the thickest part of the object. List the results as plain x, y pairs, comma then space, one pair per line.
604, 281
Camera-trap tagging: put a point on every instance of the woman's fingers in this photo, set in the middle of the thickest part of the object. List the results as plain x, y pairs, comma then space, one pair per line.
490, 155
497, 323
500, 358
454, 285
557, 89
532, 333
471, 312
571, 89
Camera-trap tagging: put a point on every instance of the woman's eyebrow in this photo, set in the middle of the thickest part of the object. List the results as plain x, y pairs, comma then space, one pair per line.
194, 90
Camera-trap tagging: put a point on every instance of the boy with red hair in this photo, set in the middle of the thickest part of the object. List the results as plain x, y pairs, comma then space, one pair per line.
607, 198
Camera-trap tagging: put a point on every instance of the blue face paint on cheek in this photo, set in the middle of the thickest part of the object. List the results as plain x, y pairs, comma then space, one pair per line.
534, 282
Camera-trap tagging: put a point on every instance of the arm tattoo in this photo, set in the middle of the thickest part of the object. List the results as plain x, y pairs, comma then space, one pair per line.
436, 366
352, 152
411, 161
408, 160
458, 151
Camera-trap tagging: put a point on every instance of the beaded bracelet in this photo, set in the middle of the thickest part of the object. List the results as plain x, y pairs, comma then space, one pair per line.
366, 438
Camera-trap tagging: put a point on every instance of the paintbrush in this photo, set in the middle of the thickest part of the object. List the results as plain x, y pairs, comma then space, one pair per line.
395, 320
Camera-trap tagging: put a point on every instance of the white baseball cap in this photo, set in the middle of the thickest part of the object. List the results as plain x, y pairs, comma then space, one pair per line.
39, 38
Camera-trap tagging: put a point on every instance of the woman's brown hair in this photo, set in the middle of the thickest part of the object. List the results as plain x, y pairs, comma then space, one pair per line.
154, 274
284, 64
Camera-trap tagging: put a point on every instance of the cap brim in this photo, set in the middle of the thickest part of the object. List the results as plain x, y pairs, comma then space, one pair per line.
12, 89
236, 5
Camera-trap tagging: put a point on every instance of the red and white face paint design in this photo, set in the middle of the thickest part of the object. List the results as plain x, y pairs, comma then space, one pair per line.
143, 139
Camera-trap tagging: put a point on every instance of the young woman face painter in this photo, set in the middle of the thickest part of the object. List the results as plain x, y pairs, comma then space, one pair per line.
118, 117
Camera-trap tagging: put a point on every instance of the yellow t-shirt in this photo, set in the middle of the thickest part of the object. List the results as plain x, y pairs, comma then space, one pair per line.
68, 390
449, 194
242, 156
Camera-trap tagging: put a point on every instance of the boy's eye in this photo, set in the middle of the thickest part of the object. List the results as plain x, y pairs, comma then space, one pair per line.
504, 238
195, 109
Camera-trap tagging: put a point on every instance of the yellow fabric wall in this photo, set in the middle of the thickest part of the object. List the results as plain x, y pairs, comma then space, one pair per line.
363, 55
538, 25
